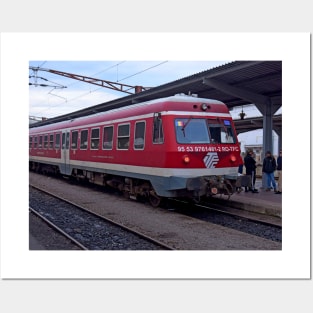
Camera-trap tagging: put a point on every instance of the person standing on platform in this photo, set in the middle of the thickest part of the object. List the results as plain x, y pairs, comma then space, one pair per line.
269, 167
279, 173
250, 165
240, 170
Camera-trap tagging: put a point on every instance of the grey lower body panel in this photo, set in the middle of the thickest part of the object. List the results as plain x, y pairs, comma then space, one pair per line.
164, 186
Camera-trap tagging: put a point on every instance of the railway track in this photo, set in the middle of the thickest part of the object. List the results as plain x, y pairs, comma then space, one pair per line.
249, 216
59, 230
177, 231
87, 229
253, 223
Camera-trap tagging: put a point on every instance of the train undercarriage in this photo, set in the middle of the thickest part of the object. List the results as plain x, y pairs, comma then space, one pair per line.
196, 189
131, 187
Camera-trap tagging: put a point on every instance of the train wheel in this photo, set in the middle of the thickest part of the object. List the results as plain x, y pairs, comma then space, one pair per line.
126, 194
154, 199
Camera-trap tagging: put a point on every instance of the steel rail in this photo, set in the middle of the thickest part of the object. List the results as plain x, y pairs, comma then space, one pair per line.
55, 227
242, 216
155, 241
217, 208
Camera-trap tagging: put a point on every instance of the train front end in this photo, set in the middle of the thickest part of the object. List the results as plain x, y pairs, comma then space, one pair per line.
205, 151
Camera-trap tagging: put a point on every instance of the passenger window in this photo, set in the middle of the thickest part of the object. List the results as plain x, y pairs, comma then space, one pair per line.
74, 144
35, 142
84, 139
57, 141
67, 140
46, 141
139, 135
95, 137
63, 140
158, 136
40, 141
107, 138
123, 136
51, 142
30, 142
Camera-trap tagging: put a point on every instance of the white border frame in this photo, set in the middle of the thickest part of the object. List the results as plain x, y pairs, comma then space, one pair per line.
293, 262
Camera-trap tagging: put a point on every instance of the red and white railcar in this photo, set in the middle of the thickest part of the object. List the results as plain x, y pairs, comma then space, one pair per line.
179, 146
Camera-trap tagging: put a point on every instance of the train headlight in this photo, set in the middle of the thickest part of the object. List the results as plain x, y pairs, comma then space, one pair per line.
186, 159
204, 106
233, 158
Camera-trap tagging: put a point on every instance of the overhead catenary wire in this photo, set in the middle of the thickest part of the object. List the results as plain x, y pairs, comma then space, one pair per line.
95, 74
149, 68
75, 98
36, 84
91, 91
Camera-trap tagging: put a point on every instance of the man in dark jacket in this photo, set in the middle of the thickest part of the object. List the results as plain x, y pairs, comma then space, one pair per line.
269, 167
250, 165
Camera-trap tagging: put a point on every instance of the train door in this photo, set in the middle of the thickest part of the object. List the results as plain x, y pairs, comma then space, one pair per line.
65, 155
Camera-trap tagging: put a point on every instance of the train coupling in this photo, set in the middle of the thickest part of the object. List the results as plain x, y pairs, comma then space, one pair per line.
210, 186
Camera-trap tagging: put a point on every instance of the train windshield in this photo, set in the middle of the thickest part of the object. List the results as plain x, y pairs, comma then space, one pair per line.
191, 130
204, 131
221, 131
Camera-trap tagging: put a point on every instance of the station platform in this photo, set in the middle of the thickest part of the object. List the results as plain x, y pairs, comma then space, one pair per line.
264, 202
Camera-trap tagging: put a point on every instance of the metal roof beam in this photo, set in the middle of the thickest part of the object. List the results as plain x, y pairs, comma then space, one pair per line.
235, 66
245, 94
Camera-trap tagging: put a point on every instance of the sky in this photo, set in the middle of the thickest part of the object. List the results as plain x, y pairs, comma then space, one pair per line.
54, 101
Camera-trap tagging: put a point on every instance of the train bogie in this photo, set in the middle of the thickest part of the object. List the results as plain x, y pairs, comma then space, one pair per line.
173, 147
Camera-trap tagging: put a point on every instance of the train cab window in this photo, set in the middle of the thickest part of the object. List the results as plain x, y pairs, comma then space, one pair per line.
57, 141
123, 136
45, 143
30, 142
84, 139
74, 143
35, 142
157, 131
139, 141
191, 130
51, 141
107, 138
95, 138
40, 142
221, 131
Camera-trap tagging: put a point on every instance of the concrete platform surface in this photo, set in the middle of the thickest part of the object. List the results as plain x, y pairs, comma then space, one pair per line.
265, 202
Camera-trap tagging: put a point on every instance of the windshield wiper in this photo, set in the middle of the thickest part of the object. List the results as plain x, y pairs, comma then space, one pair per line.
185, 125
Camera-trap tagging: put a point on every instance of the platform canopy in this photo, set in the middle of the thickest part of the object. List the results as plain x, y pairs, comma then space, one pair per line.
236, 84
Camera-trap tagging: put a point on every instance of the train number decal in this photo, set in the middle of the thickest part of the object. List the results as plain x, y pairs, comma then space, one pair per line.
207, 149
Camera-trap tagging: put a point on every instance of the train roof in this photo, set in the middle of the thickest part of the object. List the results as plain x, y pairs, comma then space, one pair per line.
177, 103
